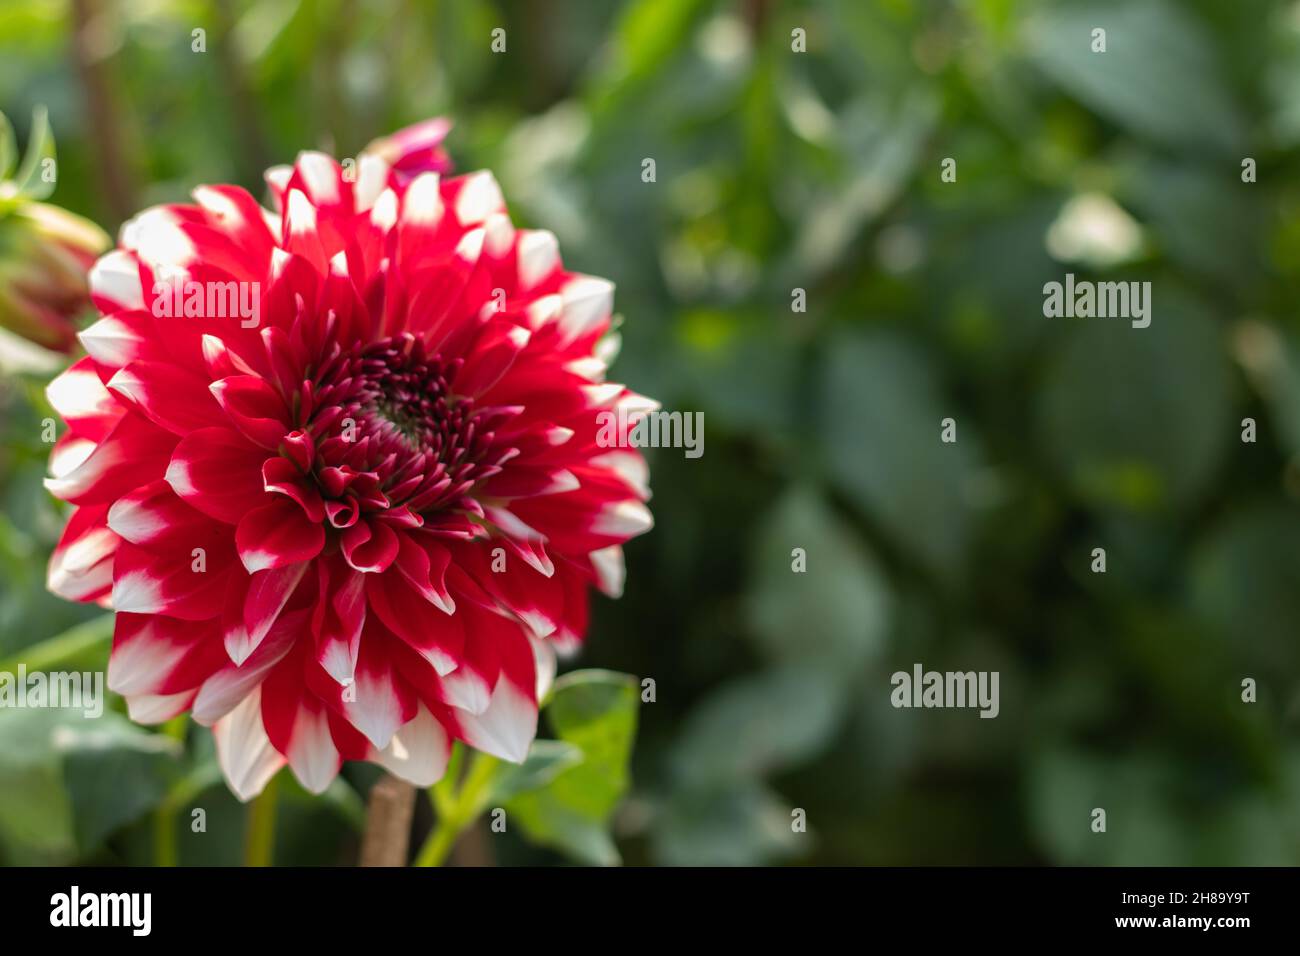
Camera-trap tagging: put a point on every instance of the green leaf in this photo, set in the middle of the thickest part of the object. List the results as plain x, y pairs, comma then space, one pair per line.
36, 820
546, 760
593, 712
647, 36
837, 609
1245, 581
8, 147
84, 643
1139, 418
115, 772
761, 723
69, 781
881, 423
28, 181
1157, 60
740, 823
884, 141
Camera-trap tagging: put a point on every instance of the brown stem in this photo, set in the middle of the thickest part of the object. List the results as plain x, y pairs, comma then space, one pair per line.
88, 52
243, 109
388, 823
474, 848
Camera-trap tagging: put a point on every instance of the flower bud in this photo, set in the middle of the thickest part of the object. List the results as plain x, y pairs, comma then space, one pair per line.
415, 149
45, 254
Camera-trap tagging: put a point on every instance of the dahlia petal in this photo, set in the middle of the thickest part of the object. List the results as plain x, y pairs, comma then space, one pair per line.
247, 758
624, 519
321, 176
277, 534
218, 472
545, 662
438, 637
153, 654
574, 580
68, 454
507, 727
313, 757
223, 690
534, 598
238, 214
383, 214
157, 708
413, 149
281, 476
580, 522
588, 303
134, 453
591, 368
338, 618
469, 686
424, 565
177, 582
476, 196
539, 257
372, 177
79, 395
493, 355
277, 180
422, 204
380, 702
220, 359
418, 752
300, 233
522, 539
119, 339
370, 547
169, 396
156, 515
499, 236
521, 481
115, 283
159, 239
630, 466
298, 726
81, 567
610, 570
268, 593
254, 408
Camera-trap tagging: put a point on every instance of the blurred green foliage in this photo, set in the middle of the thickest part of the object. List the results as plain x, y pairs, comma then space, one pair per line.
820, 171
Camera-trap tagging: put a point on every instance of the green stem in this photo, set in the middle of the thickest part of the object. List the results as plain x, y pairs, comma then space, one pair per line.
75, 645
165, 849
439, 844
259, 839
457, 808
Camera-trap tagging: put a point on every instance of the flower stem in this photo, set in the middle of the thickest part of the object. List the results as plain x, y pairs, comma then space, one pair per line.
387, 836
259, 838
457, 807
165, 850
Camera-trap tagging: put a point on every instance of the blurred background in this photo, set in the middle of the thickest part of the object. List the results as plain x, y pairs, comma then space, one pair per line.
821, 171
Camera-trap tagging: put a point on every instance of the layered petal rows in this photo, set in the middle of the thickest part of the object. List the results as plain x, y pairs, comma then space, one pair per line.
336, 467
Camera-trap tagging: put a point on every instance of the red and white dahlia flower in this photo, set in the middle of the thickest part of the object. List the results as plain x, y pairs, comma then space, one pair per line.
337, 468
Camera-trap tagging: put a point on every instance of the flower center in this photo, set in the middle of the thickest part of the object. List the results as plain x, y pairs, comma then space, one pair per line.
389, 431
403, 398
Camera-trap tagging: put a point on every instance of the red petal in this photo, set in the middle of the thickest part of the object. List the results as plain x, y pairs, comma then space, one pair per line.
277, 534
